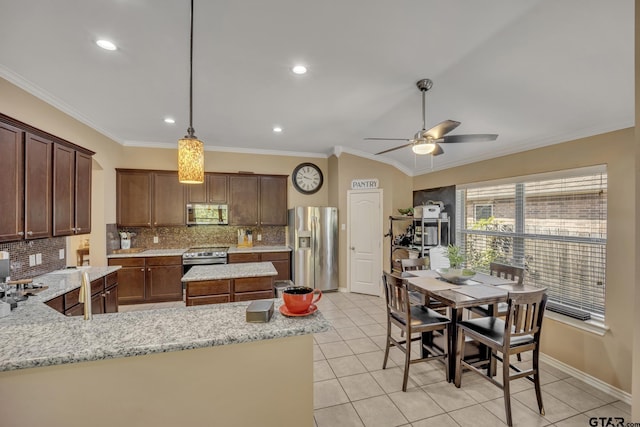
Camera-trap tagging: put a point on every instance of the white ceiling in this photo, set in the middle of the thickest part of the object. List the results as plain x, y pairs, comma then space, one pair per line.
535, 72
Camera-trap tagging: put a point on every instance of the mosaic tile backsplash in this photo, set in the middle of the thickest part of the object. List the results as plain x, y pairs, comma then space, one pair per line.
19, 256
201, 235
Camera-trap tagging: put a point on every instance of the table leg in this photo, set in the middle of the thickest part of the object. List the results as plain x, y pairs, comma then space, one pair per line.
452, 345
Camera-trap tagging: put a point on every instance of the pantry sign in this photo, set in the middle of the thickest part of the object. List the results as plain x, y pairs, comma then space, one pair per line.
364, 184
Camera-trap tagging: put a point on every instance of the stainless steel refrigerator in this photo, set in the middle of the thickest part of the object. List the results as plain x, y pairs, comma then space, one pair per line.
313, 238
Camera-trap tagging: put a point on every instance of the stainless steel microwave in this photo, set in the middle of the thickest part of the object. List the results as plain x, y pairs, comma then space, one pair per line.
203, 214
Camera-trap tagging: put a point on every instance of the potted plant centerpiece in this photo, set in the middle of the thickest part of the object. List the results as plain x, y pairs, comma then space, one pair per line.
456, 271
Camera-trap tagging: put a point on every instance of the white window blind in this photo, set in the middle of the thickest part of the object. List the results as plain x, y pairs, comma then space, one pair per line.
555, 226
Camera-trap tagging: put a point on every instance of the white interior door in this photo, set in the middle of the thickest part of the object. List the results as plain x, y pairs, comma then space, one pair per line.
365, 241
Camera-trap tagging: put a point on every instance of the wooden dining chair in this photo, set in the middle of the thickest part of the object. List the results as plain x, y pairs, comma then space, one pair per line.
517, 333
413, 264
411, 320
505, 271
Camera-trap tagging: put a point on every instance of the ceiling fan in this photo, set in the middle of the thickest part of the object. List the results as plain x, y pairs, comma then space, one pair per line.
428, 141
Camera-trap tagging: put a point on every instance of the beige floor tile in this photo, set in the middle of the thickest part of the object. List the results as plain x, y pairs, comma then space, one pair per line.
329, 336
476, 415
350, 333
573, 396
554, 409
558, 373
390, 379
443, 420
373, 360
622, 406
575, 421
354, 312
521, 415
342, 322
335, 349
333, 314
379, 411
599, 394
322, 371
341, 415
365, 319
610, 410
346, 365
317, 353
328, 393
362, 345
448, 396
415, 404
360, 386
373, 330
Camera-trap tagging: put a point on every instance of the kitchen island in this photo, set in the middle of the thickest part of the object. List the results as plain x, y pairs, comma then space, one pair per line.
180, 366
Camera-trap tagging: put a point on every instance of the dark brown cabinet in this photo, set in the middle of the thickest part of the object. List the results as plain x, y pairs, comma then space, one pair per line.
37, 187
258, 200
280, 260
12, 178
149, 198
212, 190
104, 298
228, 290
149, 279
71, 191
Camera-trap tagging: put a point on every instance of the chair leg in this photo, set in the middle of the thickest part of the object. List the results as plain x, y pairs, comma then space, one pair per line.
459, 355
407, 359
506, 388
536, 380
386, 350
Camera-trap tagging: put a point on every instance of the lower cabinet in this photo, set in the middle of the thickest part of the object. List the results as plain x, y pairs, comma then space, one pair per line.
280, 260
149, 279
229, 290
104, 298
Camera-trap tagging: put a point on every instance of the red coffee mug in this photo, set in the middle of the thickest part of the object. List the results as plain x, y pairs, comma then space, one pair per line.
298, 299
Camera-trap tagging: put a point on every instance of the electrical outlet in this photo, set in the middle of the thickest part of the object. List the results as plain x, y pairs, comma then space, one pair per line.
155, 239
61, 254
38, 259
32, 260
259, 237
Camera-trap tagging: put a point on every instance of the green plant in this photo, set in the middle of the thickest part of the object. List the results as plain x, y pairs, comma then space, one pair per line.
456, 258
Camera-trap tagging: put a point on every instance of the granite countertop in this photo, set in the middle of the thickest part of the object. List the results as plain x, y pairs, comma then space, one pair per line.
238, 250
149, 253
229, 271
36, 335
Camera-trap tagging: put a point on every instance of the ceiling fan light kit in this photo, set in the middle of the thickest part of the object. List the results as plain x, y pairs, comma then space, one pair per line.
427, 141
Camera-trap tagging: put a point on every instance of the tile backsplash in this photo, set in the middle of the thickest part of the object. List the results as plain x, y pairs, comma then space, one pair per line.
19, 256
201, 235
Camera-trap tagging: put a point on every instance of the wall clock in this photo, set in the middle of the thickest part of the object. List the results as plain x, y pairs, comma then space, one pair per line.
307, 178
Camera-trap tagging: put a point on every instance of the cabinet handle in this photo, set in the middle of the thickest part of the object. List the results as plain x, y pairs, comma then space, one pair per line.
108, 292
78, 229
29, 233
103, 295
148, 269
20, 233
142, 269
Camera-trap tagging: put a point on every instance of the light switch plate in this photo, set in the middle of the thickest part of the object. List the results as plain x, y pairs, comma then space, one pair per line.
61, 254
155, 239
32, 260
38, 259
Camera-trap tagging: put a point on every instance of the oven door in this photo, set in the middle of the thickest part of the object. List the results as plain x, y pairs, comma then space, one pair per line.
187, 263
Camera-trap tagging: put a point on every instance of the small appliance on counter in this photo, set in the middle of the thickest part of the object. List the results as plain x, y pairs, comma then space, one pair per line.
245, 238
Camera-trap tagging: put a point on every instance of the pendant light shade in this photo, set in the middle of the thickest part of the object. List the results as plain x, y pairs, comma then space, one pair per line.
190, 148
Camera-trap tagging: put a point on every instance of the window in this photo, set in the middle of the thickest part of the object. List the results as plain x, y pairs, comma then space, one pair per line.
482, 211
553, 225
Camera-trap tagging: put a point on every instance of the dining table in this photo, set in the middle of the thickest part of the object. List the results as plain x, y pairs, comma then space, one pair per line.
481, 289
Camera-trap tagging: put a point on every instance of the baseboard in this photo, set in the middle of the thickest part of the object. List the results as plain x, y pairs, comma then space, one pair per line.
592, 381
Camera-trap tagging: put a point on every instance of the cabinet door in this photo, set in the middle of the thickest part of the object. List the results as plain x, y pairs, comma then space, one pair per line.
131, 280
164, 283
37, 187
133, 198
168, 199
281, 262
197, 193
63, 190
273, 200
83, 193
111, 299
217, 188
234, 258
12, 178
243, 200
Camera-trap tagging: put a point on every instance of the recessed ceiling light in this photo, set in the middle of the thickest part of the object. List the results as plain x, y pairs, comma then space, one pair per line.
299, 69
169, 120
106, 44
277, 129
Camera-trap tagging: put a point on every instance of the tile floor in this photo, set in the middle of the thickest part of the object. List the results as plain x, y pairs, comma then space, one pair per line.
352, 389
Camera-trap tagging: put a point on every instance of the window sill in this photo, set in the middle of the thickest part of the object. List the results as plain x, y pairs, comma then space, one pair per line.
593, 326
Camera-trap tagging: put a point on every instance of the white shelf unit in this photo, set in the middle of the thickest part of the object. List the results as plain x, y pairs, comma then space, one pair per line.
421, 235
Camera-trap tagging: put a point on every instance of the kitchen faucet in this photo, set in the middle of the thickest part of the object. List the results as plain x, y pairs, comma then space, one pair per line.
85, 295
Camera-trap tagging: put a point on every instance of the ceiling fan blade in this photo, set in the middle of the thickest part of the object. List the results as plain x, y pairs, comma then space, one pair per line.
395, 148
441, 129
387, 139
480, 137
437, 151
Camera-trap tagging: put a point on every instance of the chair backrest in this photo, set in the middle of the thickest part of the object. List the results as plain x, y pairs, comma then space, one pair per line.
397, 296
525, 314
409, 264
505, 271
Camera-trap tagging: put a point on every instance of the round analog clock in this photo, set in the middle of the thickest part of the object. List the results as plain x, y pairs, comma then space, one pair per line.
307, 178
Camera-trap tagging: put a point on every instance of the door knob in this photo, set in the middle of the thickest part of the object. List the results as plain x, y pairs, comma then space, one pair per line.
353, 248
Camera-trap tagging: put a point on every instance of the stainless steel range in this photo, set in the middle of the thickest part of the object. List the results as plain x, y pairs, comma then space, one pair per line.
204, 256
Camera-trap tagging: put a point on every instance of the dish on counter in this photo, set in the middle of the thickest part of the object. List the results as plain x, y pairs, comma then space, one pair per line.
285, 311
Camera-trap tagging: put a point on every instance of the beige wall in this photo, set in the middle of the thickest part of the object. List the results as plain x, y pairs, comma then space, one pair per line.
608, 358
636, 316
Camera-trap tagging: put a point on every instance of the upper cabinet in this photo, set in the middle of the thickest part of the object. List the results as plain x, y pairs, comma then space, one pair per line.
212, 190
258, 200
149, 198
46, 188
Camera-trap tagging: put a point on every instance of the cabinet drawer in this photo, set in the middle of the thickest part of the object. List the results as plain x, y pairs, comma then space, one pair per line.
250, 257
71, 298
250, 284
275, 256
164, 260
97, 286
76, 310
127, 262
208, 287
216, 299
248, 296
111, 280
57, 303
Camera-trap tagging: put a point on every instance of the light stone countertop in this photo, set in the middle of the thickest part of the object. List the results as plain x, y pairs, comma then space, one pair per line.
150, 253
237, 250
229, 271
36, 335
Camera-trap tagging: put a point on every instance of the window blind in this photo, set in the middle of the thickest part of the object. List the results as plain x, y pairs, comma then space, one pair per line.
555, 226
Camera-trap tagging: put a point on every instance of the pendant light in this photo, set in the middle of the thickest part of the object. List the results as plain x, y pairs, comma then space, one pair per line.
190, 148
